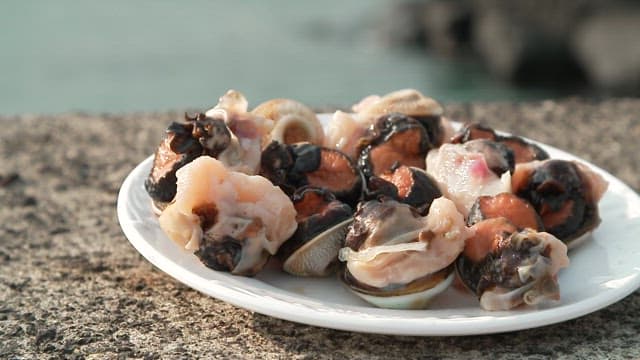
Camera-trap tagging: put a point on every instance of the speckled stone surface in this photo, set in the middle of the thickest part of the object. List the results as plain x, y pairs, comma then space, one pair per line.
71, 285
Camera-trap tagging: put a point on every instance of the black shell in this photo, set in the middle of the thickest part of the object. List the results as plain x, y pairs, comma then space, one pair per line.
424, 189
553, 187
304, 164
523, 151
386, 129
183, 142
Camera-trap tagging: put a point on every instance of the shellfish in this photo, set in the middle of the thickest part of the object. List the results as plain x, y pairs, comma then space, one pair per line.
506, 267
232, 221
396, 139
298, 165
564, 193
183, 142
398, 259
249, 133
523, 151
409, 185
322, 227
293, 121
464, 173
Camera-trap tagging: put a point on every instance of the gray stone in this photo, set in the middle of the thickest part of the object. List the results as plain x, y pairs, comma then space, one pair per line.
608, 47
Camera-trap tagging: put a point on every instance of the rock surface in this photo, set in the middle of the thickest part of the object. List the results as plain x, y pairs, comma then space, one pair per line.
72, 286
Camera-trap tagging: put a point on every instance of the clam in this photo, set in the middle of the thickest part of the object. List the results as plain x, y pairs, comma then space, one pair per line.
322, 227
397, 258
183, 142
506, 267
396, 139
523, 151
293, 121
294, 166
564, 193
405, 184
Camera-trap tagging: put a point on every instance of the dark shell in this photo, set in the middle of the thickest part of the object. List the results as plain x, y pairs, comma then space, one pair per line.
395, 140
499, 269
523, 151
224, 252
498, 156
474, 131
515, 209
433, 124
405, 184
293, 166
220, 254
558, 192
322, 224
183, 143
177, 149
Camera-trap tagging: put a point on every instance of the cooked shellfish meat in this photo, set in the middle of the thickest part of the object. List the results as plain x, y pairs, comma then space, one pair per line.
407, 185
523, 151
302, 164
183, 142
232, 221
396, 139
464, 175
345, 131
564, 193
322, 227
506, 267
393, 251
516, 210
249, 133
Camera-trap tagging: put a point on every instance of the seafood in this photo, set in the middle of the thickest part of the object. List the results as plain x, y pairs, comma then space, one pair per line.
507, 205
183, 142
397, 258
506, 267
232, 221
464, 174
249, 133
396, 140
293, 121
346, 131
407, 185
430, 204
523, 151
322, 226
564, 193
298, 165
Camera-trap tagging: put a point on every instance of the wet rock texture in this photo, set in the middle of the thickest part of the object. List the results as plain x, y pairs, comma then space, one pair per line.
71, 286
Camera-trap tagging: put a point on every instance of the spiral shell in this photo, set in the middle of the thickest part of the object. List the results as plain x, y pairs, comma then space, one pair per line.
294, 121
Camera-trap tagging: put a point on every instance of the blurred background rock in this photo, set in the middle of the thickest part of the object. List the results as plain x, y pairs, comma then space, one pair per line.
120, 56
590, 46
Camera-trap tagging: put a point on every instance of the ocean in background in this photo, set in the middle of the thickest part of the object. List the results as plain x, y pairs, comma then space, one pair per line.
119, 56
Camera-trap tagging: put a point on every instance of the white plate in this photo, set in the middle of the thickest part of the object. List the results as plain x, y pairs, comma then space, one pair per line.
603, 270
